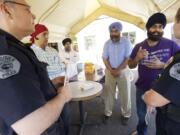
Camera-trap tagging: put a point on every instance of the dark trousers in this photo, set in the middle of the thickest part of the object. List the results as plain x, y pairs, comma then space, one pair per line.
56, 129
165, 126
141, 112
65, 118
61, 127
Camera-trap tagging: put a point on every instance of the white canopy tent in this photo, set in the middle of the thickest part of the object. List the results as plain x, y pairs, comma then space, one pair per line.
68, 17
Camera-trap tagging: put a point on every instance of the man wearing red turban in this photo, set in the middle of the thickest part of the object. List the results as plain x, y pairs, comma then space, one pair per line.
48, 55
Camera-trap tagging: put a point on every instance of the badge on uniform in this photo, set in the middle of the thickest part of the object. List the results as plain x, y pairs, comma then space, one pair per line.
9, 66
175, 71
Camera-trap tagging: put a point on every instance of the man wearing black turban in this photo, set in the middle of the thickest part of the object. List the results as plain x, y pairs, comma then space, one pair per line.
156, 20
165, 94
150, 56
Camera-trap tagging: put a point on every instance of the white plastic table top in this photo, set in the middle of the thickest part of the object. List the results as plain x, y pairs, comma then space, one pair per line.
82, 95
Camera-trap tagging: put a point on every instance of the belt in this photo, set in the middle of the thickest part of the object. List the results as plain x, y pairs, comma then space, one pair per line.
56, 129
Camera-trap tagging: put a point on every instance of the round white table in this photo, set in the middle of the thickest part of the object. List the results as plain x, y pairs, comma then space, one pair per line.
91, 90
95, 89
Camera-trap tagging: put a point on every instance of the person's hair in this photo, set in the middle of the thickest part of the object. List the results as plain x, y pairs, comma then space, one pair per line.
177, 17
66, 40
2, 1
5, 0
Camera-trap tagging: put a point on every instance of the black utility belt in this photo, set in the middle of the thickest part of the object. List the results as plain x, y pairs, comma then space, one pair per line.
56, 129
173, 113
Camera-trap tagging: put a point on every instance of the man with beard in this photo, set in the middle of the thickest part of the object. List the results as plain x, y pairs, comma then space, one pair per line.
176, 26
150, 56
165, 94
115, 56
70, 58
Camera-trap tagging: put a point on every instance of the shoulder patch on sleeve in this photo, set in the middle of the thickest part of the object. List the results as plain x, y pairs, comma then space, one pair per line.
9, 66
175, 71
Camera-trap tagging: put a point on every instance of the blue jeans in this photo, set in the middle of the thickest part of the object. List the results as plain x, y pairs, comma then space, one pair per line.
141, 112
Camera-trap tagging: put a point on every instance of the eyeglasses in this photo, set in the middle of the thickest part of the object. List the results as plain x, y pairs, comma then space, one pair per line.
13, 2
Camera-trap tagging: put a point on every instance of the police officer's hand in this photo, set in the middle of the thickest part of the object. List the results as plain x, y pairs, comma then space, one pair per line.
65, 93
142, 53
155, 64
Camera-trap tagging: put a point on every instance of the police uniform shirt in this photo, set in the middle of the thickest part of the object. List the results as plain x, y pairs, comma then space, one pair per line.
168, 84
24, 83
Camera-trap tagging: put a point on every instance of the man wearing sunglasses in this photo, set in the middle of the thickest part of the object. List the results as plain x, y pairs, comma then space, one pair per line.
29, 105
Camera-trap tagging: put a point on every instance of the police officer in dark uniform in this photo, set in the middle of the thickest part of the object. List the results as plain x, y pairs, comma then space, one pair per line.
165, 94
29, 104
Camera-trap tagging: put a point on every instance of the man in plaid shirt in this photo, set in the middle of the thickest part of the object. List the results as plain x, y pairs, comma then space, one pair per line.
49, 56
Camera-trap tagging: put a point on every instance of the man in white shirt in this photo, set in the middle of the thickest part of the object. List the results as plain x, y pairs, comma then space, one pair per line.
70, 58
49, 56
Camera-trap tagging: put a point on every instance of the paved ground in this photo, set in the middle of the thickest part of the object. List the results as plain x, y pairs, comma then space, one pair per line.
95, 109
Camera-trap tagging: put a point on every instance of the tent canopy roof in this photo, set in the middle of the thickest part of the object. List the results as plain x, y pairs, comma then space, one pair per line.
70, 16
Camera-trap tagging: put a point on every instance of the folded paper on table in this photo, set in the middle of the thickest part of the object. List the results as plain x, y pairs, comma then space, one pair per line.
86, 86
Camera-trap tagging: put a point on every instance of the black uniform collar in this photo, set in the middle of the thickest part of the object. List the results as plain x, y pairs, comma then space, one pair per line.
6, 37
10, 37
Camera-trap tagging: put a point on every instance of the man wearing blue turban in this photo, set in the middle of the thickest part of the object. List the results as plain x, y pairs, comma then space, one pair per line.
115, 56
